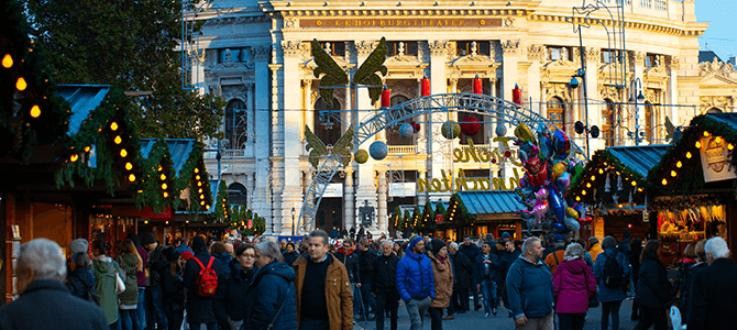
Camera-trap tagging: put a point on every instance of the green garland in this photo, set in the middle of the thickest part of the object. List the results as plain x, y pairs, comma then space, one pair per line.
97, 135
221, 204
157, 166
602, 160
193, 167
690, 176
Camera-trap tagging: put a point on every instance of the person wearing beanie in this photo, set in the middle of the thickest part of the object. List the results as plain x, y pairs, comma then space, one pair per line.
443, 277
199, 309
79, 245
487, 269
156, 265
415, 281
594, 248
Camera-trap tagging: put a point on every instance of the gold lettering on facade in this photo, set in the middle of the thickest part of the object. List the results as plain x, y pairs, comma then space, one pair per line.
397, 22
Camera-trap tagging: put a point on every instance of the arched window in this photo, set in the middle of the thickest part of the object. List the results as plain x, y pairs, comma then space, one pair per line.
608, 115
714, 110
327, 122
392, 133
235, 124
237, 194
557, 112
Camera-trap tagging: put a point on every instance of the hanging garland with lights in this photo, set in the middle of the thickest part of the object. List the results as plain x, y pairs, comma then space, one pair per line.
193, 176
605, 167
680, 169
157, 184
105, 149
30, 112
222, 209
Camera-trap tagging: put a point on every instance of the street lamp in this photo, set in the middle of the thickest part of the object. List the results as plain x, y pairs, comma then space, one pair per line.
636, 89
293, 222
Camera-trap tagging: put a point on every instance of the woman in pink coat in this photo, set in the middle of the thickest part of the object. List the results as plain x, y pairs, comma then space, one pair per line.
573, 284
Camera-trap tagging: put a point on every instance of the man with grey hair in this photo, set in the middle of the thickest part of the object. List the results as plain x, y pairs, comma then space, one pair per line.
44, 301
384, 278
714, 291
529, 288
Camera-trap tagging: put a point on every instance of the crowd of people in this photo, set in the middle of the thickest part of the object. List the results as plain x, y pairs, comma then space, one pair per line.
333, 283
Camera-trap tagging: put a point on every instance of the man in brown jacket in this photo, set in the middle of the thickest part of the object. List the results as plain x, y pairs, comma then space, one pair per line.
324, 297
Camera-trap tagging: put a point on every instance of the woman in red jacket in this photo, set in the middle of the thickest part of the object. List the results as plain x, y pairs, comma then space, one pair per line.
573, 284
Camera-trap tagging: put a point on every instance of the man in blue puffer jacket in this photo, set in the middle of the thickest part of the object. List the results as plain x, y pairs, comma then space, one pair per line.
415, 281
530, 289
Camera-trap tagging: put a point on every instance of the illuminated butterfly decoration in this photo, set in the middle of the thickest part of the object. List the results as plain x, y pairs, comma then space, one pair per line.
343, 147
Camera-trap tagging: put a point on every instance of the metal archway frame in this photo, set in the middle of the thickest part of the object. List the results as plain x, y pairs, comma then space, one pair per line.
502, 112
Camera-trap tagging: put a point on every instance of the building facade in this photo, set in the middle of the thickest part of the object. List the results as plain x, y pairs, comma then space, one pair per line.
256, 56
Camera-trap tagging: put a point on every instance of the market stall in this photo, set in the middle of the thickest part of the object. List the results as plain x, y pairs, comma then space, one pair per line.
612, 190
692, 189
476, 213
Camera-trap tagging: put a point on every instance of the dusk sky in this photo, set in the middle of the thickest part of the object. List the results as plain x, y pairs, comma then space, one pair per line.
721, 37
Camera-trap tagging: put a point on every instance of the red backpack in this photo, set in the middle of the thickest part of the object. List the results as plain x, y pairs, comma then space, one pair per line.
207, 280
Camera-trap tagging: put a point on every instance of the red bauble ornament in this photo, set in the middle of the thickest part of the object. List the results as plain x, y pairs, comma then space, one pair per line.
470, 126
517, 94
478, 86
507, 154
416, 126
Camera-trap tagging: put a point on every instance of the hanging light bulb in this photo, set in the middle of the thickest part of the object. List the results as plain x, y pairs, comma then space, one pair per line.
73, 158
593, 178
166, 194
673, 173
118, 139
199, 183
688, 155
706, 134
199, 190
132, 178
114, 126
7, 61
634, 183
583, 192
21, 84
35, 111
128, 166
162, 177
197, 177
601, 171
588, 185
730, 147
578, 198
697, 145
196, 170
718, 139
160, 168
664, 182
87, 148
679, 164
123, 153
164, 186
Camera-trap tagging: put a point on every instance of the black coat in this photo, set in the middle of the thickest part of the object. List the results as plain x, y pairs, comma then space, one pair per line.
290, 257
172, 289
653, 287
686, 293
462, 271
81, 283
274, 298
199, 309
238, 284
47, 304
385, 275
714, 303
471, 251
351, 265
157, 264
366, 264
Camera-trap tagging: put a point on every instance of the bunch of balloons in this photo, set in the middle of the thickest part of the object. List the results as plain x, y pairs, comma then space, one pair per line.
549, 165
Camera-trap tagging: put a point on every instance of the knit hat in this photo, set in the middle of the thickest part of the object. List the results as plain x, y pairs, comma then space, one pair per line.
412, 242
79, 245
593, 240
436, 245
147, 238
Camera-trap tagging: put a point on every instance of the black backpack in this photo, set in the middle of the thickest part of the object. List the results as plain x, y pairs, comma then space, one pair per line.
613, 273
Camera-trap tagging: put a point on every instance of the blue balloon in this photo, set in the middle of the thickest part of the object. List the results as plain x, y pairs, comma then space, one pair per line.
572, 224
564, 180
406, 130
558, 205
378, 150
559, 227
545, 147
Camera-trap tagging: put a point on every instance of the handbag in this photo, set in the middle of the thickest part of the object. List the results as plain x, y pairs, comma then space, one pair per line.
119, 284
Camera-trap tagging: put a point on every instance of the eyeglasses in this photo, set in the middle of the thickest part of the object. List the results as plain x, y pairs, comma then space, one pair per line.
245, 255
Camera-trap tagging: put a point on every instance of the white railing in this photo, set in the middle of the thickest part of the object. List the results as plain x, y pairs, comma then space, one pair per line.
403, 150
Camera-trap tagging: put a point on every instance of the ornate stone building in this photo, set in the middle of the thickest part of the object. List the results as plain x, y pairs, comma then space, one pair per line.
256, 55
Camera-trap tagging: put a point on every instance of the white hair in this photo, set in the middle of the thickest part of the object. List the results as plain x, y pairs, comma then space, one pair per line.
717, 247
527, 244
269, 249
454, 246
387, 242
574, 250
43, 258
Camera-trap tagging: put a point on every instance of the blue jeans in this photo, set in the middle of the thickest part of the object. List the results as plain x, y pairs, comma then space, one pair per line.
488, 291
314, 325
416, 310
141, 310
128, 319
157, 301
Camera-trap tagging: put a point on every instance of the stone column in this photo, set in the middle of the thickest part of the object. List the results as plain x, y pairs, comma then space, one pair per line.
438, 146
381, 212
348, 205
510, 67
366, 189
593, 55
292, 131
261, 200
675, 65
